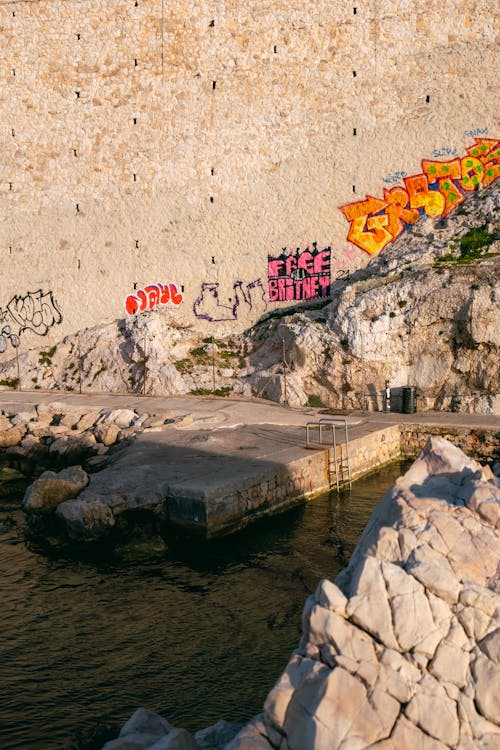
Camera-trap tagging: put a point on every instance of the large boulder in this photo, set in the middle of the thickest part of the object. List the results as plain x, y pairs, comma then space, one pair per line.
403, 650
146, 730
51, 489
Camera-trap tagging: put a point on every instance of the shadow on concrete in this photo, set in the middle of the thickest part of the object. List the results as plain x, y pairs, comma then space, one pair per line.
174, 484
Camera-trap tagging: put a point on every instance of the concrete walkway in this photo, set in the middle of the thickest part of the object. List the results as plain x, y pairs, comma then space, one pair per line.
220, 463
212, 412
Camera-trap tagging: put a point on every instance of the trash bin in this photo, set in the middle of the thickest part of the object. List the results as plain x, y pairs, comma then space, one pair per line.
409, 395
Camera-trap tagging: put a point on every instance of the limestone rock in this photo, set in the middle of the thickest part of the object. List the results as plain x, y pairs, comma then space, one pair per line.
403, 651
146, 730
406, 736
368, 605
432, 710
11, 436
251, 737
434, 572
86, 520
330, 596
217, 736
121, 418
490, 646
487, 677
52, 488
332, 705
107, 434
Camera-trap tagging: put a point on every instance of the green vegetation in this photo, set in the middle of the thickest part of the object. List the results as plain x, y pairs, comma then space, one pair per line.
183, 366
200, 356
225, 391
227, 354
45, 358
402, 303
13, 383
101, 369
315, 402
472, 247
392, 314
474, 241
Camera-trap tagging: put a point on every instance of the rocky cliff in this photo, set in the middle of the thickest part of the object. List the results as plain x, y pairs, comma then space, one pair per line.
403, 650
424, 313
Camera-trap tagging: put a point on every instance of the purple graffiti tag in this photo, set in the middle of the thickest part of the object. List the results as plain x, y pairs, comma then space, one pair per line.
207, 306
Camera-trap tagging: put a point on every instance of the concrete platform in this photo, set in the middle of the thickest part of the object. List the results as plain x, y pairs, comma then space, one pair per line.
222, 463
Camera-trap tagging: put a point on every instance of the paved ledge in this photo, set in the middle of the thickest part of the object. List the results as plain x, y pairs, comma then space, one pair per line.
221, 463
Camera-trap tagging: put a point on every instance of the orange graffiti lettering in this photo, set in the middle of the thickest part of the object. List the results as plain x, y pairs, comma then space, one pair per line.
374, 238
398, 200
368, 231
438, 190
472, 173
487, 150
421, 197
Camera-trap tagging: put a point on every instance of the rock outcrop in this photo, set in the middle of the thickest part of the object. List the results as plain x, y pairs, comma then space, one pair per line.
51, 489
423, 313
403, 650
58, 433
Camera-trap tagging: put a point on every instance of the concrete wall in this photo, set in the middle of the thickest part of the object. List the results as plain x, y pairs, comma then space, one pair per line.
168, 141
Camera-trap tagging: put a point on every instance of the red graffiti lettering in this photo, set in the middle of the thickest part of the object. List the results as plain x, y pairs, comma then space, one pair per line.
175, 296
131, 304
164, 294
152, 296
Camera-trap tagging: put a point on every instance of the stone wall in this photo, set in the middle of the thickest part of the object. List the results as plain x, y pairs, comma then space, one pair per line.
483, 444
372, 451
146, 142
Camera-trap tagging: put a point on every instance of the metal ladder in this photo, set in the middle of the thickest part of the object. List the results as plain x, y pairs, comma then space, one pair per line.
340, 464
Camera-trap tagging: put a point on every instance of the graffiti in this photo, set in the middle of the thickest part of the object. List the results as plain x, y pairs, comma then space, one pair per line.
35, 311
207, 306
152, 296
5, 334
300, 275
438, 190
443, 152
394, 178
476, 132
340, 268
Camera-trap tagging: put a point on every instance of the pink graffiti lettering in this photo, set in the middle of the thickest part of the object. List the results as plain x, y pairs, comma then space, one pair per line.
300, 275
152, 296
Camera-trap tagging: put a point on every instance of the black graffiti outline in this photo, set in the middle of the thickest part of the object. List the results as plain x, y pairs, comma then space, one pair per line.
228, 312
35, 311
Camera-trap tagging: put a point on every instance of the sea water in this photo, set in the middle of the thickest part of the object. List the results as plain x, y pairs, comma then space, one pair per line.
198, 634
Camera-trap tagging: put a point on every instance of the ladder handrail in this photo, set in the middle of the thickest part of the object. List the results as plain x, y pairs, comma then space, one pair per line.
333, 422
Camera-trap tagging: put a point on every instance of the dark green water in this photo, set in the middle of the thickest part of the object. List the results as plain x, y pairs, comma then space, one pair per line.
198, 635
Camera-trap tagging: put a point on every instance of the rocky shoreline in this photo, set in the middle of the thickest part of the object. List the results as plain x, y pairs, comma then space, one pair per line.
121, 481
408, 634
403, 650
